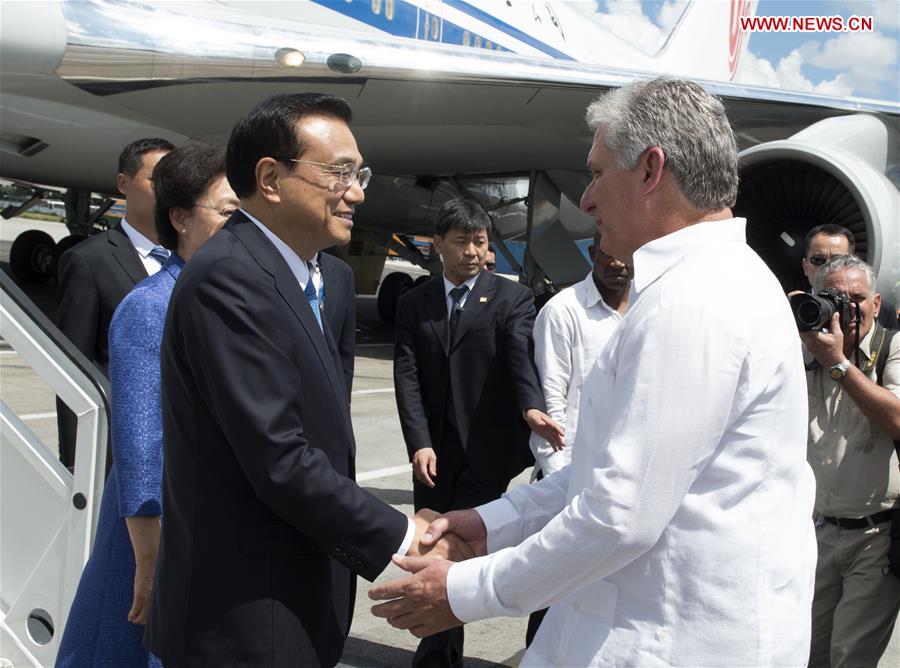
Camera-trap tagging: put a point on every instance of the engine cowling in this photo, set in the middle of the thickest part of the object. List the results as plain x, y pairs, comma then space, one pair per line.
831, 172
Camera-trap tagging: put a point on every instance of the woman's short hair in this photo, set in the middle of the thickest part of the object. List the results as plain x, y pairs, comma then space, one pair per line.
179, 180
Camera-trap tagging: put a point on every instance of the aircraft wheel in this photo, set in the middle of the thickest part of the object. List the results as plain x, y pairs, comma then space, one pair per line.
392, 288
64, 244
31, 256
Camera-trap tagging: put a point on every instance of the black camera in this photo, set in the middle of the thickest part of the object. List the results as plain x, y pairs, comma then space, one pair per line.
815, 311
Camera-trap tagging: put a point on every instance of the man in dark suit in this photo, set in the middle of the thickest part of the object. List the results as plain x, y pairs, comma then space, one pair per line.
264, 525
338, 301
95, 275
466, 386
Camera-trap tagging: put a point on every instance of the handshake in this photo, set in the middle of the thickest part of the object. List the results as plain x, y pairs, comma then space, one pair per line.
438, 542
418, 602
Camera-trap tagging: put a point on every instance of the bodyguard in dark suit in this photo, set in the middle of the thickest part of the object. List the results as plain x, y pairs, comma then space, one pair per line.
339, 306
264, 525
466, 386
95, 275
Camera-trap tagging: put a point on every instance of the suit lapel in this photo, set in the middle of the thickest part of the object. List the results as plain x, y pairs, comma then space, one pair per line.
126, 255
271, 261
436, 306
476, 302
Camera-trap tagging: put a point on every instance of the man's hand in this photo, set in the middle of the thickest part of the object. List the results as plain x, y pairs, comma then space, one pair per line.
419, 602
466, 524
424, 466
542, 425
826, 347
449, 546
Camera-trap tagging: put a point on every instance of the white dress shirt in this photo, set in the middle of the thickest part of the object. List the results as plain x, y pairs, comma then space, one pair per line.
143, 246
448, 286
682, 532
569, 333
300, 270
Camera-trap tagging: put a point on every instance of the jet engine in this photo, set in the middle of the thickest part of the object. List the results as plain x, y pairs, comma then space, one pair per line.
840, 170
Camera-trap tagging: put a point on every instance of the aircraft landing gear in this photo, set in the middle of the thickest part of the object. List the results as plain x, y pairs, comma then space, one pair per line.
31, 256
392, 288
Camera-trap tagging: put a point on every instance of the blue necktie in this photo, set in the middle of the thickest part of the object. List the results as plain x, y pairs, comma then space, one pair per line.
159, 254
312, 296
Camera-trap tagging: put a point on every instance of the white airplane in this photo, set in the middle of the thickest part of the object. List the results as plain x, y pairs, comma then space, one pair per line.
480, 97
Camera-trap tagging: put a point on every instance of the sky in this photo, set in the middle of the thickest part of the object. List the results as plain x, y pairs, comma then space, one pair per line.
839, 64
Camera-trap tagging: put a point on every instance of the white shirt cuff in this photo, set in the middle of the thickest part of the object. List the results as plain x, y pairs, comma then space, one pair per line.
465, 591
407, 539
503, 524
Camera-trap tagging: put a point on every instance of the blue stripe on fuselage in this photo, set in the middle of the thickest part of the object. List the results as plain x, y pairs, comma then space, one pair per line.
505, 28
407, 17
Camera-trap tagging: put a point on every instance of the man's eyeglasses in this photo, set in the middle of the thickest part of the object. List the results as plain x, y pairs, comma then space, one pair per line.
225, 213
346, 173
819, 260
490, 266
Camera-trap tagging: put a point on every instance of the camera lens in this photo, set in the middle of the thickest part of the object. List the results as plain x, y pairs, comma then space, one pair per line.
812, 311
809, 313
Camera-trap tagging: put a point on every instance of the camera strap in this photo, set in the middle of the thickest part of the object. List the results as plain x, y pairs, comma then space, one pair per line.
878, 351
878, 358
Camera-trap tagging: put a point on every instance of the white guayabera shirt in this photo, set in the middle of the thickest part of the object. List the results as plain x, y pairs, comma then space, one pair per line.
682, 533
569, 333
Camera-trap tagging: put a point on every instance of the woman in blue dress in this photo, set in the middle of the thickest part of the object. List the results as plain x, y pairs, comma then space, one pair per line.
105, 626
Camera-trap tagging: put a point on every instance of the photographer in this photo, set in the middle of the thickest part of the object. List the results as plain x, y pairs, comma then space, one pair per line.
826, 242
854, 417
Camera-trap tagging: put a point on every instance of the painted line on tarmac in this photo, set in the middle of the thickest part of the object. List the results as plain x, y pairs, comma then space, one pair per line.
8, 352
382, 390
383, 473
37, 416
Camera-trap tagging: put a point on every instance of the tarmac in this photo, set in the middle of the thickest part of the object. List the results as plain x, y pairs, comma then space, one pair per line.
382, 467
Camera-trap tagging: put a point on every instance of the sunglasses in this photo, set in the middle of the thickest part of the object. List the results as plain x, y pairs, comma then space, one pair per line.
819, 260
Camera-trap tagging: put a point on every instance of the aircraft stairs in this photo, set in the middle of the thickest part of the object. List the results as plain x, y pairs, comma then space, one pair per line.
48, 515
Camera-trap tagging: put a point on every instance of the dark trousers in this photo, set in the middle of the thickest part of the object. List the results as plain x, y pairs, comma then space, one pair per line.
456, 488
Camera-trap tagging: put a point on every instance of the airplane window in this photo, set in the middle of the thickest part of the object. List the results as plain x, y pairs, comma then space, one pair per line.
389, 10
467, 38
434, 27
487, 44
477, 41
376, 7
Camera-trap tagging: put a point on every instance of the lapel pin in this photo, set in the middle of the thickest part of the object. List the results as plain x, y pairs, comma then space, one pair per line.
483, 300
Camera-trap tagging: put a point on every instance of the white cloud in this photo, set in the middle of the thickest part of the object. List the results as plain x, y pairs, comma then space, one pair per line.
885, 13
868, 59
625, 19
788, 75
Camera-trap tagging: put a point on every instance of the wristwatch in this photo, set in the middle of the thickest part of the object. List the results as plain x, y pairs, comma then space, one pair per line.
839, 370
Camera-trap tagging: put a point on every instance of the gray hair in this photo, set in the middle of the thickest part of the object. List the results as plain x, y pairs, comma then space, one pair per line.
686, 122
843, 262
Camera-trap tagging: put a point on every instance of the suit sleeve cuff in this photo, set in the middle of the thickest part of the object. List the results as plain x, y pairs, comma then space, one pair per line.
503, 524
465, 593
407, 539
